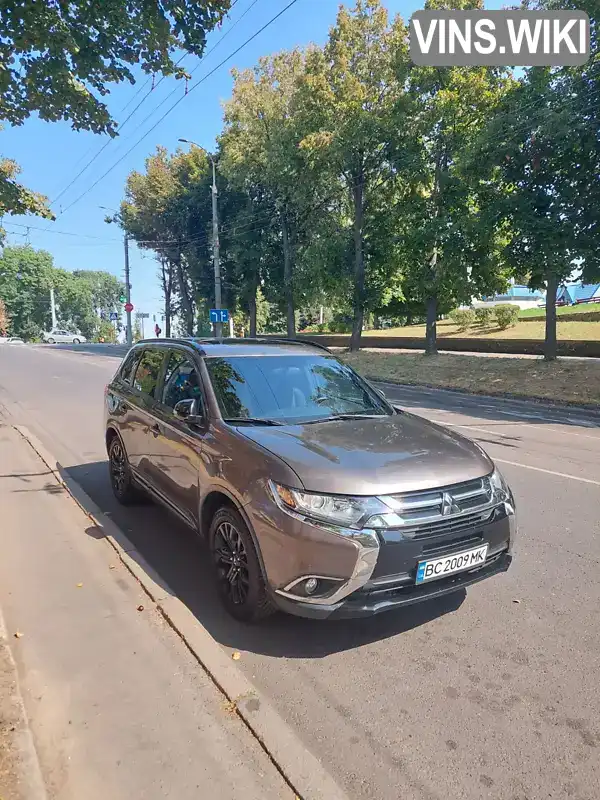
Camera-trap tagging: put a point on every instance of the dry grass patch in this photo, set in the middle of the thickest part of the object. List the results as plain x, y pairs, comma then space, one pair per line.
561, 381
581, 331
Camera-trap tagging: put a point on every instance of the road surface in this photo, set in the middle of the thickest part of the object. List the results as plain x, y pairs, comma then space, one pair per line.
492, 695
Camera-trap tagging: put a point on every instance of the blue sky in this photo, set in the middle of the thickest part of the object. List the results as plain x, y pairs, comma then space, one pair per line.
51, 154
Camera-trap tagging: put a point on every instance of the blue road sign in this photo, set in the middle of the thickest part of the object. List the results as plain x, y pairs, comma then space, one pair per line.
219, 315
114, 316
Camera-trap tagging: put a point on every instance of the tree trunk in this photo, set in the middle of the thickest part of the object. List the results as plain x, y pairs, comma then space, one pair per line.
188, 311
359, 264
252, 304
288, 278
550, 341
166, 276
431, 327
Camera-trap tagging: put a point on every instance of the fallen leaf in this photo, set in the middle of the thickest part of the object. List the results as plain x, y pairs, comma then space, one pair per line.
516, 601
79, 585
236, 656
19, 635
140, 608
112, 566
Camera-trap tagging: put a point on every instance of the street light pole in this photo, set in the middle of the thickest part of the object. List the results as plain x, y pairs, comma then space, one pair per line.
128, 328
129, 331
215, 235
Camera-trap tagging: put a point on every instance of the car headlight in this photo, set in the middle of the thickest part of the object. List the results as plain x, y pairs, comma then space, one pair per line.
500, 489
348, 512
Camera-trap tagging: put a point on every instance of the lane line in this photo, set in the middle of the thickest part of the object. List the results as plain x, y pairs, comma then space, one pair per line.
547, 471
526, 425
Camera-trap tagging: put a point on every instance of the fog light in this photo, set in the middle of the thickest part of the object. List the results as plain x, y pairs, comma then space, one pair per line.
311, 585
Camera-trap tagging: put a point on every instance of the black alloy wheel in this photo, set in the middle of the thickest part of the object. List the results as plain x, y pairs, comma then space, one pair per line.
120, 473
239, 577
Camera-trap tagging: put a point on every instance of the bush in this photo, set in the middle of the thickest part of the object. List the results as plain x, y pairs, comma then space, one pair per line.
507, 316
463, 318
484, 316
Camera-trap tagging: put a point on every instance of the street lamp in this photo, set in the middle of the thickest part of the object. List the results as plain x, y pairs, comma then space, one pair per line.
129, 331
215, 236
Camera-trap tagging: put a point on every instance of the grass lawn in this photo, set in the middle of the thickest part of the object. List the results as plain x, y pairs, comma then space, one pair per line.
561, 381
582, 308
583, 330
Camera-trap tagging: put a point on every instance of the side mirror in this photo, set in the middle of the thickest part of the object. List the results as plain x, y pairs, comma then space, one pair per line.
187, 411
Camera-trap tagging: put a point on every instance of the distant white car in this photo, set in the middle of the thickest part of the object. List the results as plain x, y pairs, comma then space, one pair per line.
14, 340
61, 336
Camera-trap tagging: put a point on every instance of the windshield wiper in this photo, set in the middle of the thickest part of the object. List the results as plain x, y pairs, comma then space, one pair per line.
334, 417
252, 421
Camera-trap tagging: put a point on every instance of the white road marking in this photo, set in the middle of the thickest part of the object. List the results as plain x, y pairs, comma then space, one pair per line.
548, 471
515, 424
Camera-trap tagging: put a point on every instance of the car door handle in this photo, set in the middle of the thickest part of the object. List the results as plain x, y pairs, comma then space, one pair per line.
155, 430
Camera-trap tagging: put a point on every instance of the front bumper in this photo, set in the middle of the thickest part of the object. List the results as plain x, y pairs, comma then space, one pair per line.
365, 603
392, 582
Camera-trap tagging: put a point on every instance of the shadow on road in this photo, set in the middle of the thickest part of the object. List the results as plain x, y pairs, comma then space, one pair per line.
180, 560
91, 348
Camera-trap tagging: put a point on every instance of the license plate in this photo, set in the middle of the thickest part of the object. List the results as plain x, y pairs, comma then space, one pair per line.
448, 565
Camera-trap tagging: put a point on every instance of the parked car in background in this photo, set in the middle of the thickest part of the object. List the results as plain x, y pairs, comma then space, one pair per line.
11, 340
315, 495
61, 336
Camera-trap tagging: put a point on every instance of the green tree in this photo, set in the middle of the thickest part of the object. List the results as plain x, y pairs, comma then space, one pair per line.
4, 319
16, 198
538, 152
349, 90
261, 157
59, 60
450, 250
26, 276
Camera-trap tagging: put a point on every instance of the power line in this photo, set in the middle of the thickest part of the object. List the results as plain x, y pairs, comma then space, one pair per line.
179, 100
144, 98
63, 233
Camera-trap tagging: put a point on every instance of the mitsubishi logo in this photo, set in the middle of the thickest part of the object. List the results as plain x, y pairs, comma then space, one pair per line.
448, 505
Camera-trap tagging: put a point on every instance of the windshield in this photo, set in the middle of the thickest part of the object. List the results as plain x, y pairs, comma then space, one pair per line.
290, 389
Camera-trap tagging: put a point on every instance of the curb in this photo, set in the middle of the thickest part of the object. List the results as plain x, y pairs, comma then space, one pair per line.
300, 769
30, 773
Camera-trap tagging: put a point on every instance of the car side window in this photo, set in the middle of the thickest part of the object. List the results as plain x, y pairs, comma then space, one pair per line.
148, 370
128, 369
182, 381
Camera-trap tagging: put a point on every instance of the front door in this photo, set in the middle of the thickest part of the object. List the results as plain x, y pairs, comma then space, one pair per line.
176, 471
143, 434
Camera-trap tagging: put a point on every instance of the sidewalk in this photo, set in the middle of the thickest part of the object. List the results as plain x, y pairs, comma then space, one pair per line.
118, 706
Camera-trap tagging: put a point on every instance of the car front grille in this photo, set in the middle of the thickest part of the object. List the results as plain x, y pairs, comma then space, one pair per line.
456, 508
450, 525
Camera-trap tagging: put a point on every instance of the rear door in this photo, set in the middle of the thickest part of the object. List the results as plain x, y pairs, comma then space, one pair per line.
143, 427
175, 472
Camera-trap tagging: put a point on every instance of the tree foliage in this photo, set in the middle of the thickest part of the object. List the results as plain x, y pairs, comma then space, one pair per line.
351, 179
59, 60
26, 277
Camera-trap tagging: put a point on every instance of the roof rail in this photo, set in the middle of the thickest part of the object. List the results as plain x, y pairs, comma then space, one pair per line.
284, 340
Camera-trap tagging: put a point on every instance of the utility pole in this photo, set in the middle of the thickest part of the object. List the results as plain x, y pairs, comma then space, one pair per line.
53, 308
216, 249
215, 236
129, 332
116, 217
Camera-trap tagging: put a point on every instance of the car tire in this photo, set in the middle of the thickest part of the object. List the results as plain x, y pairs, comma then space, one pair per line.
238, 573
50, 341
121, 479
76, 341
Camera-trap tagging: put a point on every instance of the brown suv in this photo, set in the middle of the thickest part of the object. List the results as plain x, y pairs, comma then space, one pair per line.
315, 495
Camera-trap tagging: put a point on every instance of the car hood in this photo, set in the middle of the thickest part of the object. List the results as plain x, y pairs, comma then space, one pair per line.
400, 453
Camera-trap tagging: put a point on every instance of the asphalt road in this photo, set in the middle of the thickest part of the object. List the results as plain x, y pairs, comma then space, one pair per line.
489, 695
